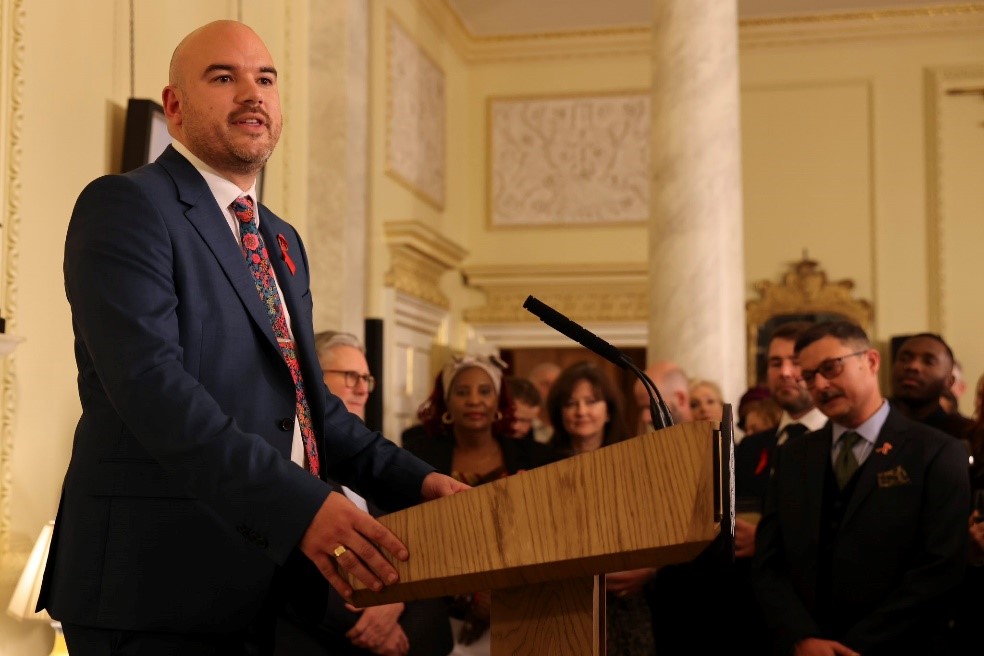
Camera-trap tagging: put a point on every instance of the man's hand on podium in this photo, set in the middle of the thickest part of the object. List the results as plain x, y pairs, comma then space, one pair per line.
438, 485
343, 537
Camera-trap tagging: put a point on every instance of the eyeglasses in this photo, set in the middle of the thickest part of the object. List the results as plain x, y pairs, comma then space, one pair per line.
829, 368
352, 378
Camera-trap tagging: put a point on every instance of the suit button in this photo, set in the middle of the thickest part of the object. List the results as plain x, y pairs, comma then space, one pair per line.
286, 425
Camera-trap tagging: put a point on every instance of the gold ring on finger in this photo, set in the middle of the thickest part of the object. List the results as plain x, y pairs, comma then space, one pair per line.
339, 551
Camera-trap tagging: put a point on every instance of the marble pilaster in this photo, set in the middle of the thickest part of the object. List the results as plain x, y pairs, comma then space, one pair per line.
695, 251
338, 160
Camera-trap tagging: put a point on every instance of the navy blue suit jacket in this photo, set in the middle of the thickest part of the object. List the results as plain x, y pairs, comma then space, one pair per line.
180, 500
898, 553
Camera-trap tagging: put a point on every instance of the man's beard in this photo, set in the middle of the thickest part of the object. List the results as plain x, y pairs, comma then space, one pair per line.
217, 149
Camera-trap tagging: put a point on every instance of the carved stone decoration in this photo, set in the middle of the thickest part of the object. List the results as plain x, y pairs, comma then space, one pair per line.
569, 161
419, 256
804, 290
592, 293
11, 116
415, 116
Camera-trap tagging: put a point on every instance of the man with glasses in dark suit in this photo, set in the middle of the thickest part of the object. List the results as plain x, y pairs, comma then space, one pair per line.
863, 536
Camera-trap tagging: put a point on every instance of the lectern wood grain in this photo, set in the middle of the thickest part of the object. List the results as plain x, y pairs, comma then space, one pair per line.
642, 502
543, 619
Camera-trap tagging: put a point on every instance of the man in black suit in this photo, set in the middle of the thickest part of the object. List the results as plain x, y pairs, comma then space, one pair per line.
863, 538
922, 370
196, 482
755, 454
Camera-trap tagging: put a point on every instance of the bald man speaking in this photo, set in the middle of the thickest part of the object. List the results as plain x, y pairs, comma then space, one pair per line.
196, 482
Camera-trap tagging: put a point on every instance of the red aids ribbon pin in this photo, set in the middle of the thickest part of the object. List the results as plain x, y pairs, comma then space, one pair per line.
283, 253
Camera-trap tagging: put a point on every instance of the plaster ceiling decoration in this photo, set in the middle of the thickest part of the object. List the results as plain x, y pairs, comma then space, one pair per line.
496, 18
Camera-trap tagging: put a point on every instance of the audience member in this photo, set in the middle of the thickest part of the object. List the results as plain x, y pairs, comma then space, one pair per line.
345, 369
586, 412
752, 394
671, 381
959, 385
543, 376
706, 401
755, 455
417, 627
949, 403
526, 407
467, 418
863, 539
754, 459
761, 415
922, 371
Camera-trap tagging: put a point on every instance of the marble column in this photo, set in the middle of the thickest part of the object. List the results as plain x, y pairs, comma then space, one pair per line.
338, 161
696, 269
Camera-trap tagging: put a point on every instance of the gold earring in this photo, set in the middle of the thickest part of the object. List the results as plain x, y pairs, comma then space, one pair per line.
446, 418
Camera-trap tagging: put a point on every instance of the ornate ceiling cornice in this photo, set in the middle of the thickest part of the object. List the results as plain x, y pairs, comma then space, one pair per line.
957, 18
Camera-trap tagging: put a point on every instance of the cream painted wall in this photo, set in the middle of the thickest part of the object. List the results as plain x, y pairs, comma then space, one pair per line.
836, 160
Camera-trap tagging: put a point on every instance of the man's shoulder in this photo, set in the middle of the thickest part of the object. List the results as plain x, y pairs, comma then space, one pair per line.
754, 442
931, 440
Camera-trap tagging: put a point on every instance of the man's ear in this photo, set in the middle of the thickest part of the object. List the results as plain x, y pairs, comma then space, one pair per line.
681, 399
874, 359
171, 99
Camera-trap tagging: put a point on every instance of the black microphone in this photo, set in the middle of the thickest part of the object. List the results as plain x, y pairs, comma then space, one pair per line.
658, 411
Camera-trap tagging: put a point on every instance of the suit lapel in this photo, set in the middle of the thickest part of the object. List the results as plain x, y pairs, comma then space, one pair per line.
207, 218
881, 459
817, 457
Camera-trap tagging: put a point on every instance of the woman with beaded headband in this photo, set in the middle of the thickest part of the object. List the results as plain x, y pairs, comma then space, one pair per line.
467, 418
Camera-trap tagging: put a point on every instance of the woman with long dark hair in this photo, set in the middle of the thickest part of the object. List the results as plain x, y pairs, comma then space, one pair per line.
586, 412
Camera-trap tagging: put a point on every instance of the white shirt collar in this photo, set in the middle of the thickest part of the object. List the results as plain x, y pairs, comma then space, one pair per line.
869, 428
225, 191
813, 420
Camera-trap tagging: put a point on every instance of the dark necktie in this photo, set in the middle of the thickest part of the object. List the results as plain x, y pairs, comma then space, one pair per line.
846, 464
794, 431
258, 262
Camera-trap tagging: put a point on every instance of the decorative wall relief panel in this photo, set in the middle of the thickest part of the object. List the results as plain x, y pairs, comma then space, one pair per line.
569, 161
415, 121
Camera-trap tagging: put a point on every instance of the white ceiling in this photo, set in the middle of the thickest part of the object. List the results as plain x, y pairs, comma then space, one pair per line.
485, 18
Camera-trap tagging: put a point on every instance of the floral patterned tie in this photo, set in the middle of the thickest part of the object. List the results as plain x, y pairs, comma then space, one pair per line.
258, 262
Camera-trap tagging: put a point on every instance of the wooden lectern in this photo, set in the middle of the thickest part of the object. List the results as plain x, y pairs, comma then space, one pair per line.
541, 538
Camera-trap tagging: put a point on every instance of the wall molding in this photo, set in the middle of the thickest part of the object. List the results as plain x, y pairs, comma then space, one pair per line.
419, 256
617, 292
937, 80
940, 20
12, 14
